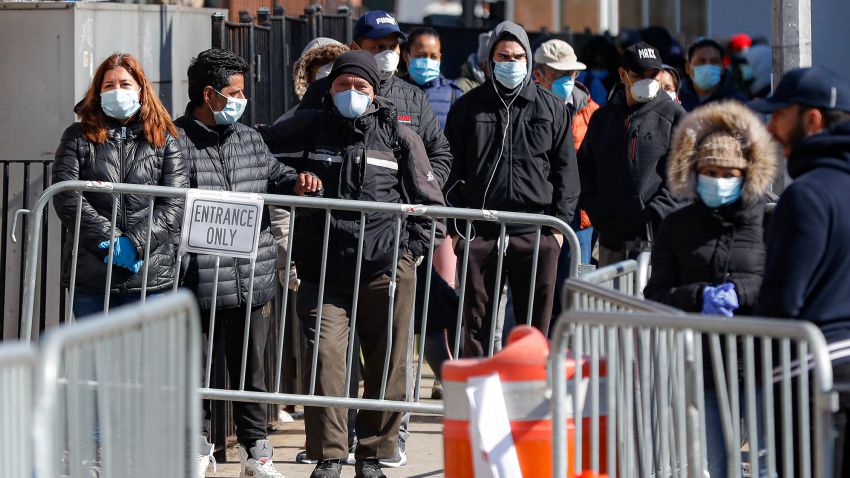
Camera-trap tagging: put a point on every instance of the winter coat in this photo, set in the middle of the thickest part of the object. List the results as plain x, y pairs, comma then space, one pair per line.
512, 154
316, 57
581, 108
237, 160
726, 91
371, 158
441, 94
413, 110
808, 251
623, 163
125, 157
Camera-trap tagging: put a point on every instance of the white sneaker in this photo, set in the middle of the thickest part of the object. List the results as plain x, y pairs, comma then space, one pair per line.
261, 466
204, 461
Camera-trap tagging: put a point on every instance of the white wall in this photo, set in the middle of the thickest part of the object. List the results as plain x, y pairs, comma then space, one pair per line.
830, 34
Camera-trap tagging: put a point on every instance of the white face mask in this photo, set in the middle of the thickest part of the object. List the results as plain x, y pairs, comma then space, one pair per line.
673, 96
324, 71
644, 90
387, 63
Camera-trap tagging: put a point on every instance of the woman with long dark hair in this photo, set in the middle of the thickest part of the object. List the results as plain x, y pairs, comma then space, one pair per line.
125, 135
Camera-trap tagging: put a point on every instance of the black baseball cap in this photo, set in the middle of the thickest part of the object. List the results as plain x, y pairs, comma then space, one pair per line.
377, 24
641, 57
815, 87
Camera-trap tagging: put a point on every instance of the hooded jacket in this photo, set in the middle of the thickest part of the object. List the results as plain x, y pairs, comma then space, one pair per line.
125, 157
581, 108
412, 109
808, 251
512, 152
316, 57
236, 160
623, 164
699, 246
371, 158
725, 91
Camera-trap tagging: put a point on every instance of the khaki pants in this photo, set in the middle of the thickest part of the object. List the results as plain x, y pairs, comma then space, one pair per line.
327, 428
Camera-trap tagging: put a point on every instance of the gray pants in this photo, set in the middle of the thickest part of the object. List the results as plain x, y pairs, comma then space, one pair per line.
327, 428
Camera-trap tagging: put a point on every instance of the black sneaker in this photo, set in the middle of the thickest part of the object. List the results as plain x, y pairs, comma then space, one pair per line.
368, 468
327, 469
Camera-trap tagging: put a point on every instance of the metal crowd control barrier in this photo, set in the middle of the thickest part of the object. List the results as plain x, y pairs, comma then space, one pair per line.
628, 277
113, 394
17, 364
655, 394
399, 212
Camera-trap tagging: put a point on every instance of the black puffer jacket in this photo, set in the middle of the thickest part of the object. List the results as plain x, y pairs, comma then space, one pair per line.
413, 110
725, 91
697, 247
125, 157
372, 158
237, 160
622, 164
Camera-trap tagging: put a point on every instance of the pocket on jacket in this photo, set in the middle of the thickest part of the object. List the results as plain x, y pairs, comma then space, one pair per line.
538, 136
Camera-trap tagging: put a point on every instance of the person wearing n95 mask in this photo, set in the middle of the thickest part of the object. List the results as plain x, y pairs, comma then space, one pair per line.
358, 149
623, 157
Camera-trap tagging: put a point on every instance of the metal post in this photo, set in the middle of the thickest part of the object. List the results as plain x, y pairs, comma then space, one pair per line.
345, 10
792, 45
468, 13
556, 14
218, 30
263, 15
614, 16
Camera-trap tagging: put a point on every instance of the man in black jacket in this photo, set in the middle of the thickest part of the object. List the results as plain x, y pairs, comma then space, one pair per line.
513, 148
623, 158
225, 155
377, 33
360, 151
807, 269
708, 80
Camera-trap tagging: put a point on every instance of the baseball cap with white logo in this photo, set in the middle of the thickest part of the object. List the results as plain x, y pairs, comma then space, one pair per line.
558, 55
641, 57
377, 24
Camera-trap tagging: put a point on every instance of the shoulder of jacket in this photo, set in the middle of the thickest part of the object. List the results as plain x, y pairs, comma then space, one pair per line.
74, 131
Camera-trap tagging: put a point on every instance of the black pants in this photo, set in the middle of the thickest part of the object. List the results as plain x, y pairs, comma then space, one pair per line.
516, 267
250, 418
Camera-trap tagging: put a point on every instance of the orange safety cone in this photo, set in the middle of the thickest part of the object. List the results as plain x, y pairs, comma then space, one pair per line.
522, 368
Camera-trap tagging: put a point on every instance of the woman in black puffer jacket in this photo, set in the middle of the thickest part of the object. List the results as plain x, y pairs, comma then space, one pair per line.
125, 136
709, 256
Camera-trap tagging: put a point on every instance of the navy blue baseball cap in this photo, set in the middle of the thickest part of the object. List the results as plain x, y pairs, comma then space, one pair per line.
815, 87
377, 24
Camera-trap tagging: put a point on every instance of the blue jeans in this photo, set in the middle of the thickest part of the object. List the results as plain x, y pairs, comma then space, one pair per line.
91, 303
715, 442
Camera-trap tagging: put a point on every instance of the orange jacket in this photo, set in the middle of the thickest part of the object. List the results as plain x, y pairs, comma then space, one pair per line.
580, 121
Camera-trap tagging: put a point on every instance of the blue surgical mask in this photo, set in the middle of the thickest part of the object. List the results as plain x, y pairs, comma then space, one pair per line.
424, 70
707, 76
232, 111
563, 87
510, 73
351, 103
120, 103
716, 192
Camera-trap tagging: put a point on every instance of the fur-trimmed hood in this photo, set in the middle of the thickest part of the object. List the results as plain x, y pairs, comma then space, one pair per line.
321, 55
757, 145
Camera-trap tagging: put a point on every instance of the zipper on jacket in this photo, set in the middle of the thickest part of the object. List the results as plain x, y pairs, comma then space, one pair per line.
121, 204
228, 188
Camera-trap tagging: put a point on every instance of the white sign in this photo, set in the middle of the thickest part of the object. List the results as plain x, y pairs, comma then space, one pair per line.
222, 223
493, 452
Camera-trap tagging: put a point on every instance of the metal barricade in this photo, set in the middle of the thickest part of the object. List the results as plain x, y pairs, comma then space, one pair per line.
319, 207
112, 394
17, 364
646, 374
628, 277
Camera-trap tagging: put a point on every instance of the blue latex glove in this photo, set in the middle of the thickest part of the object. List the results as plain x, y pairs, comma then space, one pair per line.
123, 254
720, 300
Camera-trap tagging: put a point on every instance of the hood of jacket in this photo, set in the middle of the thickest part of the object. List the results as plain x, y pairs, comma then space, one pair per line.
759, 149
318, 56
511, 29
825, 150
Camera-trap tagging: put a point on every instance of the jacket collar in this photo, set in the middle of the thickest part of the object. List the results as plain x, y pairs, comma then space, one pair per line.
829, 149
619, 98
528, 91
197, 127
131, 130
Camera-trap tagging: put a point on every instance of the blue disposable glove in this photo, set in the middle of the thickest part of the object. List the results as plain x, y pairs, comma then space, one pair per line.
123, 254
720, 300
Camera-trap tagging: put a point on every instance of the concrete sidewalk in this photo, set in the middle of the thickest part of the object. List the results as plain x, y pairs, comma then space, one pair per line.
424, 451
